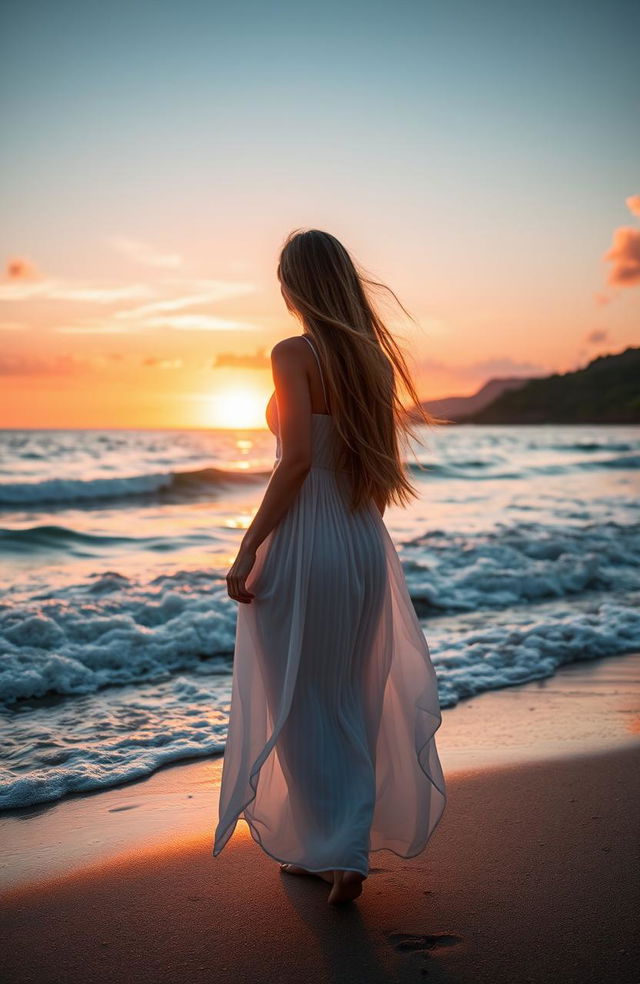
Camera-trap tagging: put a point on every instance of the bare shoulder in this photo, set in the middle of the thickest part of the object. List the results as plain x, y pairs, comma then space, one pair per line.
289, 351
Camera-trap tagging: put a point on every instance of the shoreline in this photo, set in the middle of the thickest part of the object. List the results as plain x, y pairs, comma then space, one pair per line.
584, 709
527, 879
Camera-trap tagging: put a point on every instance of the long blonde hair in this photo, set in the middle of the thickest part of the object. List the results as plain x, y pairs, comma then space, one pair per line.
362, 364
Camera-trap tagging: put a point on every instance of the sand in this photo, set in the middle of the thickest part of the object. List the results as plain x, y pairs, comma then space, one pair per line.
531, 876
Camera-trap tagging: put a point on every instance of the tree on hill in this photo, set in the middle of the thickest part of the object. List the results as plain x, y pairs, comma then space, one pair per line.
606, 391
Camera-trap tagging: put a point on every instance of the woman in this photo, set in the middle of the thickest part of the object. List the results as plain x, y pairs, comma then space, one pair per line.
330, 752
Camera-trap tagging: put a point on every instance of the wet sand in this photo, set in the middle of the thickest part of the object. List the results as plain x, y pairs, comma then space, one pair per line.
531, 875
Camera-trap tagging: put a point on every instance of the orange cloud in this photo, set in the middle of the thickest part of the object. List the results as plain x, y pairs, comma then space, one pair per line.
56, 365
633, 204
249, 360
199, 293
624, 256
20, 269
197, 322
28, 365
154, 363
23, 286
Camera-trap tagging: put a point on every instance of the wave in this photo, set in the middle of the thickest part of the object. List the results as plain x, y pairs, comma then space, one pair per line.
103, 740
593, 446
179, 486
529, 644
524, 563
470, 469
493, 470
113, 630
35, 539
99, 740
623, 461
164, 484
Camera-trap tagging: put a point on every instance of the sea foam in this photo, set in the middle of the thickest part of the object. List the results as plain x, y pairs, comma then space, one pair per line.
103, 739
113, 630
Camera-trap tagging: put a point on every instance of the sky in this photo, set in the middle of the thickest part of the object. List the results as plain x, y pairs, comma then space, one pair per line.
482, 159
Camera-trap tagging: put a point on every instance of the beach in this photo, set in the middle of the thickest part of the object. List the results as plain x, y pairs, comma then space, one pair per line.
529, 876
521, 560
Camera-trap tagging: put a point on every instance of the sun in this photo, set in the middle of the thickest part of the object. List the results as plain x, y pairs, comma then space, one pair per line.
237, 409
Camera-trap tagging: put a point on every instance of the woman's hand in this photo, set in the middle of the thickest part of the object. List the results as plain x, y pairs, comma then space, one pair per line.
238, 573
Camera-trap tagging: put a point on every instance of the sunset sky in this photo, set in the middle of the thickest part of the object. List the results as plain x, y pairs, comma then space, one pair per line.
483, 159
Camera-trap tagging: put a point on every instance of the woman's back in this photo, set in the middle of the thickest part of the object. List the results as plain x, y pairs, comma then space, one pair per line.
324, 436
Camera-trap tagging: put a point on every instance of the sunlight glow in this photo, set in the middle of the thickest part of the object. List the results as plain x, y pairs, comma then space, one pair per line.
236, 409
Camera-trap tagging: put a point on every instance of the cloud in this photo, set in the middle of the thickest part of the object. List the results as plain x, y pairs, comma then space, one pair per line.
624, 256
175, 322
153, 363
144, 254
23, 282
18, 268
597, 336
624, 253
11, 326
102, 361
197, 322
56, 365
169, 303
633, 204
244, 360
32, 365
24, 289
199, 292
92, 328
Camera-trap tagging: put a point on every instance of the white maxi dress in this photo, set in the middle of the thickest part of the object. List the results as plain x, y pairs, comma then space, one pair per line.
330, 751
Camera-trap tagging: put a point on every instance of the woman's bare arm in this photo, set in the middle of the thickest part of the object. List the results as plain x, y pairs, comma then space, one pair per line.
294, 414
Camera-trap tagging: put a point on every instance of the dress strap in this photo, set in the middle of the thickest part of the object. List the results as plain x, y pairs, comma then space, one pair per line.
313, 349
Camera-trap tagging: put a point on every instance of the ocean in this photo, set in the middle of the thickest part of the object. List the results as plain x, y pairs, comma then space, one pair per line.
521, 554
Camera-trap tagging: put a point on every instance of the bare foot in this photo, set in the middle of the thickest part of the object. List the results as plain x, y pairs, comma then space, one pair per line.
295, 869
347, 886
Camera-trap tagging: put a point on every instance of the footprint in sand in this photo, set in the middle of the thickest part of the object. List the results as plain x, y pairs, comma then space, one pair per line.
414, 942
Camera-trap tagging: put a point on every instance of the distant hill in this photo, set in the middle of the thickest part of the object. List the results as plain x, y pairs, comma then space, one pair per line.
454, 408
606, 391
